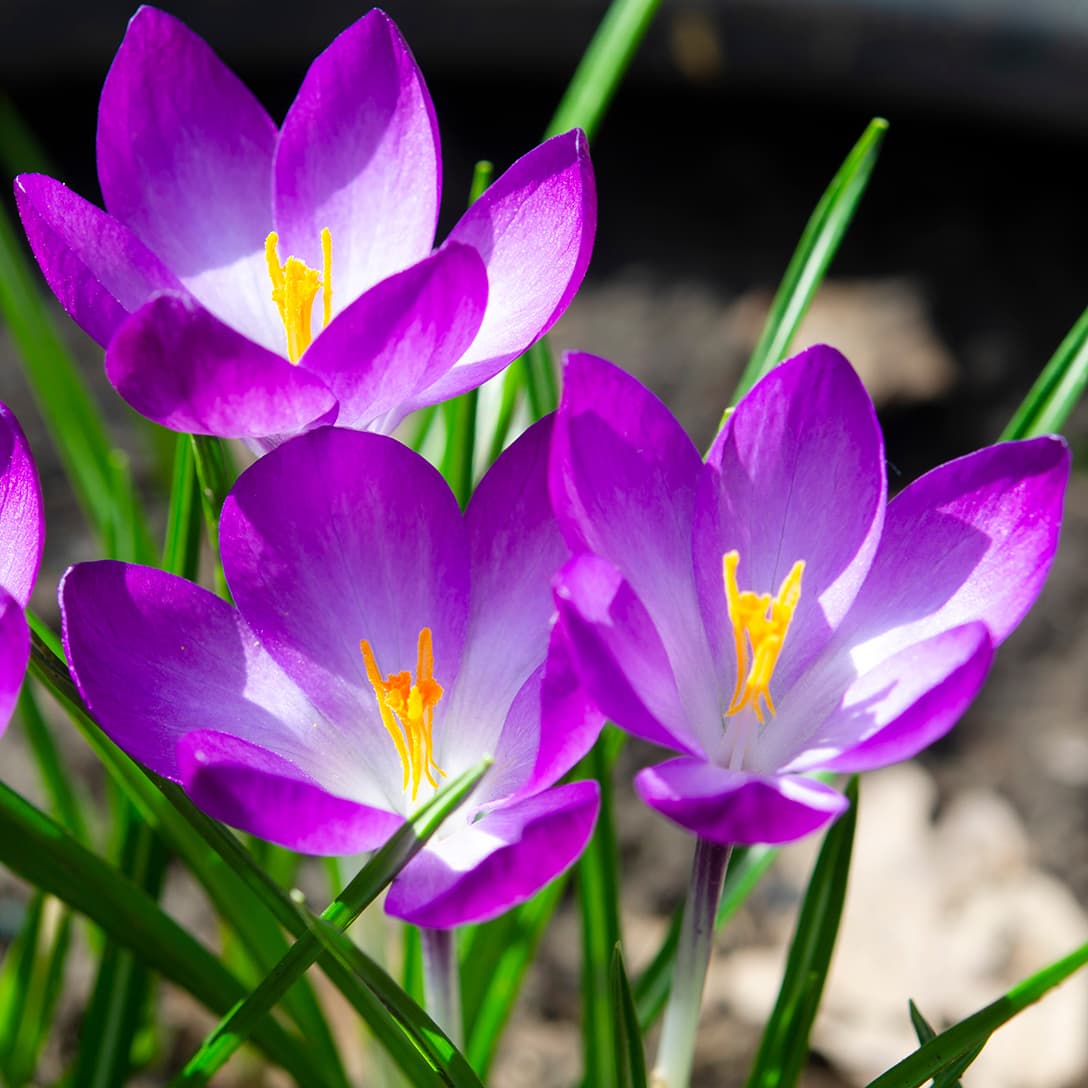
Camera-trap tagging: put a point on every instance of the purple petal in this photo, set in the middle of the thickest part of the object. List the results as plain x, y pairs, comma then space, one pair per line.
157, 657
338, 536
258, 791
796, 474
898, 708
971, 540
618, 654
98, 269
570, 721
399, 336
534, 228
623, 481
22, 520
177, 364
185, 161
515, 548
14, 654
359, 155
499, 861
731, 807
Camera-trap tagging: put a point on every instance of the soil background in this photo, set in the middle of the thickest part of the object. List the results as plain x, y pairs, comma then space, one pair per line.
961, 274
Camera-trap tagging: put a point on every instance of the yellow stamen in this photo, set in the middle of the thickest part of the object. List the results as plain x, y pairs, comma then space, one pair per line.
407, 711
294, 287
760, 623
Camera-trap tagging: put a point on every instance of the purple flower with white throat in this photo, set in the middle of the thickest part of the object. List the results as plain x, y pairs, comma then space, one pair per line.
22, 537
252, 282
381, 640
768, 613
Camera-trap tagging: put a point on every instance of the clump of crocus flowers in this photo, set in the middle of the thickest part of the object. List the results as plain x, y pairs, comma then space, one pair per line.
765, 613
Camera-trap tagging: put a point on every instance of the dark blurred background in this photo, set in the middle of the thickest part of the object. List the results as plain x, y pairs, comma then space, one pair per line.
961, 274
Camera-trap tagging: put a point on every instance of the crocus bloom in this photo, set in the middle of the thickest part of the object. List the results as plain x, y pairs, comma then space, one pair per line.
381, 641
767, 613
251, 282
22, 536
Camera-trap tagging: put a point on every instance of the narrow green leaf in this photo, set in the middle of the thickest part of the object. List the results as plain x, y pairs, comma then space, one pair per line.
819, 243
539, 379
181, 544
783, 1050
971, 1033
56, 779
495, 958
597, 881
606, 59
216, 475
30, 982
241, 893
408, 1018
950, 1077
42, 853
1057, 389
123, 984
504, 418
234, 1028
630, 1051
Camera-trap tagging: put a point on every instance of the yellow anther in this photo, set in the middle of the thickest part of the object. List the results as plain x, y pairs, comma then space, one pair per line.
407, 711
294, 287
760, 623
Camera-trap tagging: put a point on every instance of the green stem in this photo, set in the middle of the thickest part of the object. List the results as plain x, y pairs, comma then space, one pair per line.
442, 982
677, 1047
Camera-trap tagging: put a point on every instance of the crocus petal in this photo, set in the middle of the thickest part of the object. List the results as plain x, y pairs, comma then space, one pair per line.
98, 269
796, 474
971, 540
157, 657
22, 522
258, 791
489, 866
570, 721
14, 654
179, 365
893, 711
731, 807
338, 536
515, 548
399, 335
534, 227
359, 155
185, 160
618, 653
623, 478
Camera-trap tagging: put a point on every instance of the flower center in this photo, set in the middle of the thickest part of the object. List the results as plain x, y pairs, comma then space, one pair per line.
407, 710
760, 623
294, 287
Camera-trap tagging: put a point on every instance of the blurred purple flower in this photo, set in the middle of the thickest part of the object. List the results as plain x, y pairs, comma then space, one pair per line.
251, 282
22, 537
381, 640
767, 613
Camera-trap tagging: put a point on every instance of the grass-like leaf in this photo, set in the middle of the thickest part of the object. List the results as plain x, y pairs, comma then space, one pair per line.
597, 880
43, 853
630, 1052
819, 243
950, 1077
783, 1050
494, 959
1057, 389
235, 1027
945, 1051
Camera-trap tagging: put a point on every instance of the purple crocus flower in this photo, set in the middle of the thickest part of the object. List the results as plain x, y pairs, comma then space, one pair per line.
251, 282
381, 640
766, 613
22, 537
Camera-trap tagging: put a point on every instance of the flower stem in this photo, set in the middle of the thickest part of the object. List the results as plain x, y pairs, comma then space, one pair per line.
677, 1046
441, 982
